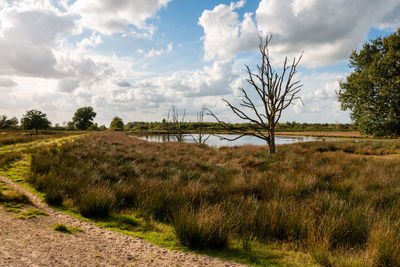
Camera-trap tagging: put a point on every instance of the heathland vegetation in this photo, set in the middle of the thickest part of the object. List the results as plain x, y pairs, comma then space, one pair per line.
337, 201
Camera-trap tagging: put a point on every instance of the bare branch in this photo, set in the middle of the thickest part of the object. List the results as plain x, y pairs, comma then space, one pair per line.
277, 91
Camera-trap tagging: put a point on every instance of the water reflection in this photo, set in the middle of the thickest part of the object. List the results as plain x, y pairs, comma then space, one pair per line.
246, 140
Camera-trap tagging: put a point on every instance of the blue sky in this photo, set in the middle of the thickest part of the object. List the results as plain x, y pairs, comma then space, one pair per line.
137, 58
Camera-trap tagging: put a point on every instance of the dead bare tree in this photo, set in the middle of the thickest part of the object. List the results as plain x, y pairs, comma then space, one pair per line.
201, 137
276, 90
176, 124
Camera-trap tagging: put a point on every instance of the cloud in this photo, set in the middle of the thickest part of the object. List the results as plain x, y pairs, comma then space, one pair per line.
68, 85
28, 38
109, 16
124, 84
224, 34
6, 82
327, 31
93, 41
157, 52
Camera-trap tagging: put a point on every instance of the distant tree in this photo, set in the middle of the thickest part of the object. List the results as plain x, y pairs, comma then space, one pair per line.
176, 124
35, 120
8, 123
201, 137
83, 118
117, 124
102, 128
93, 127
275, 90
70, 126
372, 90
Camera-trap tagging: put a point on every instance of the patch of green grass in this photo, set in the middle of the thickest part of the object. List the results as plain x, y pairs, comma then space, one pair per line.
33, 213
13, 210
60, 227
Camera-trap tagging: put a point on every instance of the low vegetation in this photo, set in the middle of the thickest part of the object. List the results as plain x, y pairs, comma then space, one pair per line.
16, 137
323, 197
60, 227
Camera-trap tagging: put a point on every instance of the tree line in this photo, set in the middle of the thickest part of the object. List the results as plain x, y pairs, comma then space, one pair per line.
37, 120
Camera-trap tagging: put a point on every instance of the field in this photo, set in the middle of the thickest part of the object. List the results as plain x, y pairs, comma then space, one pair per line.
335, 204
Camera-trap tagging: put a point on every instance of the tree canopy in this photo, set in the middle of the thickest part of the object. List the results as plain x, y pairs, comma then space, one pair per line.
8, 123
83, 117
35, 120
117, 124
372, 91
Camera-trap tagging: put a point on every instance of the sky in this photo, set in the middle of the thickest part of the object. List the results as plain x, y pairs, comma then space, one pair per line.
137, 58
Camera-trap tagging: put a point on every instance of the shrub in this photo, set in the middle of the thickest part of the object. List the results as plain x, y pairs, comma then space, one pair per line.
54, 195
14, 197
384, 246
205, 229
7, 158
97, 203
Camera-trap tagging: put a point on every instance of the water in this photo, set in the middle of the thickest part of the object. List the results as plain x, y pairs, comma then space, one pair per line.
245, 140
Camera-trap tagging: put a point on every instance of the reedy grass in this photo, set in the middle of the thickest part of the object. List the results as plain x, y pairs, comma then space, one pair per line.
322, 197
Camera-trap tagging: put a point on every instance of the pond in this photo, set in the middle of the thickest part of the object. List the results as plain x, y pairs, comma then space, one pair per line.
245, 140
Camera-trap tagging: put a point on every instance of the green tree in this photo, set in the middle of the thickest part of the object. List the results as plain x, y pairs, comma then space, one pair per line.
93, 127
372, 91
8, 123
35, 120
83, 117
70, 126
117, 124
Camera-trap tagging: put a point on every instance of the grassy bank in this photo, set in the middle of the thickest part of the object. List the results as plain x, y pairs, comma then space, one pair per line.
338, 202
17, 137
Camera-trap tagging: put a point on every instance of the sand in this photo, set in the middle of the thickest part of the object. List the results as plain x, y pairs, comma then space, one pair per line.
34, 242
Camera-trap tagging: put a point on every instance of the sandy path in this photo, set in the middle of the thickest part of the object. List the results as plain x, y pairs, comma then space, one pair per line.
33, 242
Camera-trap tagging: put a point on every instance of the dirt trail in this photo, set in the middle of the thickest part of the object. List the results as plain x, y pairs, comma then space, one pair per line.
33, 242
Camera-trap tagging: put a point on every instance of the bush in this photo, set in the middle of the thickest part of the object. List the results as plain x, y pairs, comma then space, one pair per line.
97, 203
384, 246
54, 195
205, 229
14, 197
9, 157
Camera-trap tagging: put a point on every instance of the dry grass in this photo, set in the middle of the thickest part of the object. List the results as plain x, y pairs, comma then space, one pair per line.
15, 137
324, 197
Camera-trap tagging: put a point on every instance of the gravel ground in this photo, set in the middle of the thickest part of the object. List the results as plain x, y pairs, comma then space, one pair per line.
33, 242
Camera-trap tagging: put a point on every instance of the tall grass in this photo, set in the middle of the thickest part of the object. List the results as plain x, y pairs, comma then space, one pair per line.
331, 196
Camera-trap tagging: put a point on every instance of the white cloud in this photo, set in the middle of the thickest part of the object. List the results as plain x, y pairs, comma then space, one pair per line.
327, 31
109, 16
320, 99
6, 82
157, 52
68, 85
93, 41
28, 39
224, 34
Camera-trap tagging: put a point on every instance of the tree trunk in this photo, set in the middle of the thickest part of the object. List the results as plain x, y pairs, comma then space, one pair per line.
271, 141
36, 131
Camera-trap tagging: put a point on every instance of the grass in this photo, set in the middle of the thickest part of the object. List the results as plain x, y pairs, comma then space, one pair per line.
13, 197
60, 227
326, 203
320, 198
18, 137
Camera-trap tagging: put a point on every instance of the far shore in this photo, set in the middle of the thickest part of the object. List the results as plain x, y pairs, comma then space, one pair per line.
332, 134
325, 134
